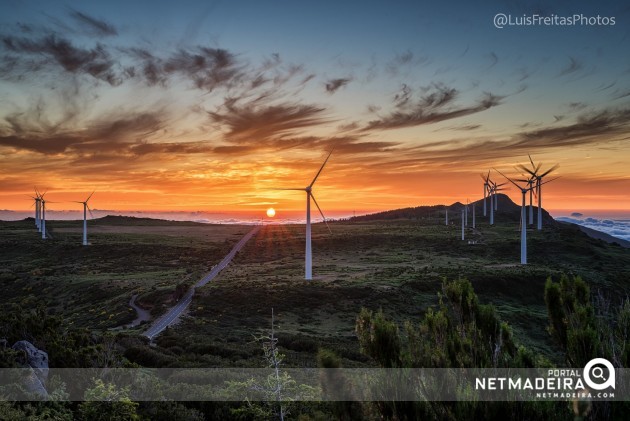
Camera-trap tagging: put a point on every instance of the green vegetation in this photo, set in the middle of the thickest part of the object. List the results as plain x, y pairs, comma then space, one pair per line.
385, 277
91, 286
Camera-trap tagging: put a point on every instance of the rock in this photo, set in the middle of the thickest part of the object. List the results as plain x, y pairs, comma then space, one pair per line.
38, 361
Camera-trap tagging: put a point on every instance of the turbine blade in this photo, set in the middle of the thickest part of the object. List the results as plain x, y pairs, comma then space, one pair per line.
508, 178
549, 170
549, 181
320, 170
531, 160
302, 189
524, 168
88, 199
89, 210
320, 212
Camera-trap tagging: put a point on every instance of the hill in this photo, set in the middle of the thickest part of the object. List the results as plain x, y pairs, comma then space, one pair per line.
507, 211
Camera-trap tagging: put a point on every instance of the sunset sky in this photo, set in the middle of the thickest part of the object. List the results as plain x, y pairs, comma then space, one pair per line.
209, 106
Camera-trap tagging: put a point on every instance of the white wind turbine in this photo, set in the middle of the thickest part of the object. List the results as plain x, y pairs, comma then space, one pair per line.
492, 193
308, 260
466, 210
38, 210
463, 212
524, 191
85, 209
530, 182
486, 190
539, 183
43, 220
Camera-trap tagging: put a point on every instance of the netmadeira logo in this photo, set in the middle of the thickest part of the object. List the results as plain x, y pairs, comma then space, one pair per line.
559, 383
596, 377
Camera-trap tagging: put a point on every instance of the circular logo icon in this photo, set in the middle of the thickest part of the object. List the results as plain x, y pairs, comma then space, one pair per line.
596, 377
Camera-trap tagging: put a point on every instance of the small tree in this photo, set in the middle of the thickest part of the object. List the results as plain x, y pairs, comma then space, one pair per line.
106, 402
572, 321
279, 391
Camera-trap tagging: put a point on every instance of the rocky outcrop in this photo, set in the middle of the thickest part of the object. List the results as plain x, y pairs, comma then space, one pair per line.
37, 360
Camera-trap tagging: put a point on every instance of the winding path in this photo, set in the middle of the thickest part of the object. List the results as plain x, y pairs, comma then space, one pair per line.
171, 316
143, 315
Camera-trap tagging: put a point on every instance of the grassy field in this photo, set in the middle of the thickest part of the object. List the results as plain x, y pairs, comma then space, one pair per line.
396, 265
91, 286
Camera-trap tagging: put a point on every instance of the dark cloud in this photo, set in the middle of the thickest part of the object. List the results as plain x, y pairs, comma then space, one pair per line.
113, 133
494, 59
94, 26
208, 68
434, 107
401, 99
400, 61
573, 66
577, 106
334, 84
619, 93
252, 123
185, 148
585, 130
465, 127
599, 128
96, 61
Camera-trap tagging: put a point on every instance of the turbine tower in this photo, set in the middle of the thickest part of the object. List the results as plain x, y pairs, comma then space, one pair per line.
463, 212
490, 191
538, 185
524, 191
38, 210
486, 190
86, 207
43, 222
446, 223
466, 214
308, 260
494, 188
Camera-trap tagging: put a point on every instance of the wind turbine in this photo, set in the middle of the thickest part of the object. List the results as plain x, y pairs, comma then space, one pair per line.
524, 191
466, 207
308, 260
494, 188
531, 192
85, 209
38, 206
486, 189
43, 221
539, 183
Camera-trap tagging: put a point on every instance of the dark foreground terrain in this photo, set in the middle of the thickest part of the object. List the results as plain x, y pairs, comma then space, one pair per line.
393, 262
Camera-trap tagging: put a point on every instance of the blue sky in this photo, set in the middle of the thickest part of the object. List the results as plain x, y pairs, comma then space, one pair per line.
197, 99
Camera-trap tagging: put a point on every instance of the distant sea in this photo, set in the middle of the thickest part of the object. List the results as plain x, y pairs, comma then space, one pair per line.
615, 223
246, 217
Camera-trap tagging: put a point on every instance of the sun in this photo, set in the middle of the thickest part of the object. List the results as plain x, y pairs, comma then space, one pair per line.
271, 212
